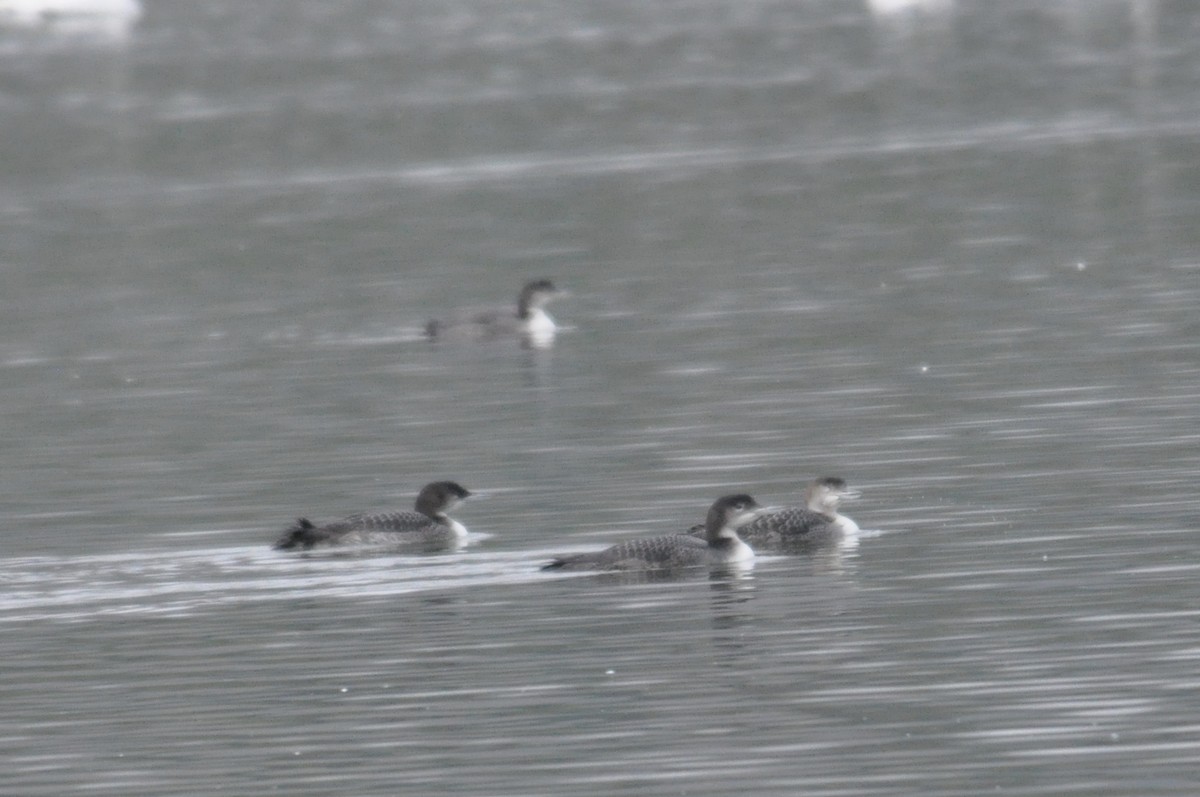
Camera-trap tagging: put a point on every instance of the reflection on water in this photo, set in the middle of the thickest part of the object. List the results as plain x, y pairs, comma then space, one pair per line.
83, 22
181, 584
945, 251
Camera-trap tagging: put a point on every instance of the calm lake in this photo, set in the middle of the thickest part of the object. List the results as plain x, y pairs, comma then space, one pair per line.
949, 253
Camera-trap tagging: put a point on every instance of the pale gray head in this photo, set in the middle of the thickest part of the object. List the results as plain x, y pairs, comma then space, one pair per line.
826, 493
535, 295
438, 498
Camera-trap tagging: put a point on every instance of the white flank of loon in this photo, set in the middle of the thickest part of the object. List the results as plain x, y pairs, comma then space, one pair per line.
815, 522
530, 321
720, 544
429, 526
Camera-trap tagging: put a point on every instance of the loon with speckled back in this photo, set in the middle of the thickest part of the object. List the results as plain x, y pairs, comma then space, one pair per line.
429, 526
817, 522
720, 544
530, 321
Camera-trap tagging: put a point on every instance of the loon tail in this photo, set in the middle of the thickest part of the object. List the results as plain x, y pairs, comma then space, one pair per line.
298, 535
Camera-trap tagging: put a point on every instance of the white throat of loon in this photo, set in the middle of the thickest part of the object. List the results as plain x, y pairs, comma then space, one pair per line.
725, 517
537, 325
438, 498
534, 298
825, 496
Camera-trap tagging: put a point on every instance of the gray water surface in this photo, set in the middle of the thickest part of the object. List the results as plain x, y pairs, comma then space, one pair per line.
948, 255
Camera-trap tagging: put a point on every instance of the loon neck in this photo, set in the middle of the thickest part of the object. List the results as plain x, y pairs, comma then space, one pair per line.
722, 536
832, 513
728, 546
823, 506
430, 511
460, 531
535, 318
527, 307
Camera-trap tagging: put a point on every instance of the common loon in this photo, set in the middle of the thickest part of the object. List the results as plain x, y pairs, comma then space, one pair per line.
818, 521
720, 544
429, 526
531, 321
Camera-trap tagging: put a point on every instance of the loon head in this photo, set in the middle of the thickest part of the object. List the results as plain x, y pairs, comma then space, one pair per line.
826, 493
535, 296
729, 513
438, 498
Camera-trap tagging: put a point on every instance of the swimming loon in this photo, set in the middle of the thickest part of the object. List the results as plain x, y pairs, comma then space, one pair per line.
818, 521
429, 526
530, 319
720, 544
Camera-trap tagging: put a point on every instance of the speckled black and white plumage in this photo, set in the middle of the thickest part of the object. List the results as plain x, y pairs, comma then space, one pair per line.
791, 525
428, 527
816, 523
667, 551
720, 544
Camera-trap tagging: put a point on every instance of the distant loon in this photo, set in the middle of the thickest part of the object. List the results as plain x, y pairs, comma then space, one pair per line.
530, 321
818, 521
429, 526
720, 544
